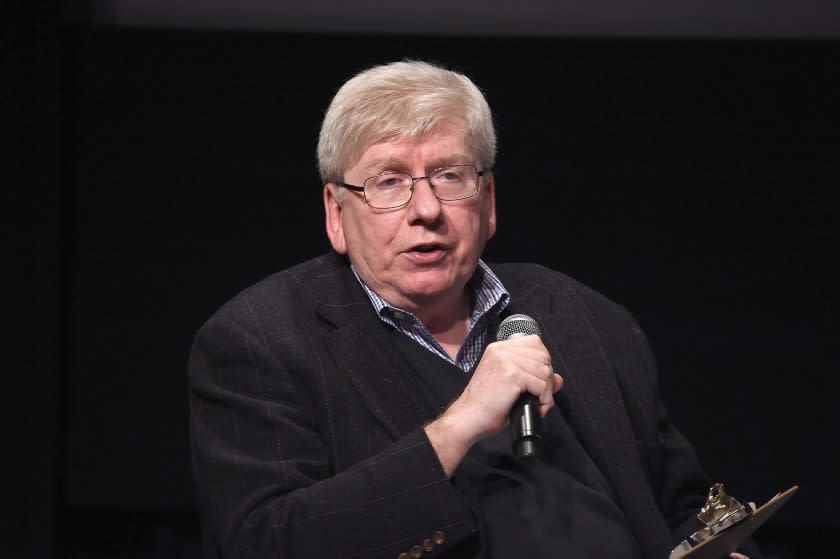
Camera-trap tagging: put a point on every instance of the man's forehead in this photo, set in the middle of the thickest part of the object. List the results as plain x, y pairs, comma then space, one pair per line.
437, 149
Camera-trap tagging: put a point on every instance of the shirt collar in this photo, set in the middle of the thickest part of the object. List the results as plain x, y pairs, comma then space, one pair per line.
489, 295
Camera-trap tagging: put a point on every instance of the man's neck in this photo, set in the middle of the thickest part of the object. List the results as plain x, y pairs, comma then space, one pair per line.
449, 321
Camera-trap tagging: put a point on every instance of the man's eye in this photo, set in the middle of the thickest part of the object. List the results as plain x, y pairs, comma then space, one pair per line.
448, 176
388, 182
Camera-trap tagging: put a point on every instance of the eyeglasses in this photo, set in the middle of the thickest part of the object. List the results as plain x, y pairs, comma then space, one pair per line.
391, 190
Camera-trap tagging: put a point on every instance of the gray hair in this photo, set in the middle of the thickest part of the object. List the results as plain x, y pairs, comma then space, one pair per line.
408, 99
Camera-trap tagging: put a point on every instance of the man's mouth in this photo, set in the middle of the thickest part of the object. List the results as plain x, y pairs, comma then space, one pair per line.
427, 247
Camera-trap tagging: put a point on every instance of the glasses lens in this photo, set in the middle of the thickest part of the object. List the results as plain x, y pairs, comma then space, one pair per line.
455, 182
388, 190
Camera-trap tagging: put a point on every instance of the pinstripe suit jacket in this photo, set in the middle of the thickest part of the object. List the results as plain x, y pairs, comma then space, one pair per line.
307, 436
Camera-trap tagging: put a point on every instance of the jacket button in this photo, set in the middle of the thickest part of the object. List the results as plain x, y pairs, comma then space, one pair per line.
439, 537
416, 552
428, 545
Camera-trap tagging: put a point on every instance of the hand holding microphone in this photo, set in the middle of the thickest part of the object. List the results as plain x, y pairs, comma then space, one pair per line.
517, 365
525, 417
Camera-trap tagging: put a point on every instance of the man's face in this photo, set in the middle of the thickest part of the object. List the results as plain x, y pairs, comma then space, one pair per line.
423, 253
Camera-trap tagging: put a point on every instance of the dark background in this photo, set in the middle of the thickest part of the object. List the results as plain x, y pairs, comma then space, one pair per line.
156, 171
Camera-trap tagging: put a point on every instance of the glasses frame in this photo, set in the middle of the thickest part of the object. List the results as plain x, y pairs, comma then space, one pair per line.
414, 180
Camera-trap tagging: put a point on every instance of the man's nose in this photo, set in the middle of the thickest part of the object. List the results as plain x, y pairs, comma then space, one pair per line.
424, 205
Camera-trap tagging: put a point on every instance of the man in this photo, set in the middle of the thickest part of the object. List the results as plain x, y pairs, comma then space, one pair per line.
355, 405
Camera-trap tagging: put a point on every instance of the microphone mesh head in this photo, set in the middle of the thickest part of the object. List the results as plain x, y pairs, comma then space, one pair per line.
517, 325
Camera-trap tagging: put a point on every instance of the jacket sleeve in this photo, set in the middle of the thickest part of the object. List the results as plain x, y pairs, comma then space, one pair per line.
264, 472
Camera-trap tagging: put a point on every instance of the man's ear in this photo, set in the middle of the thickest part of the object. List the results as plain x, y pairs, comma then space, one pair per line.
491, 207
332, 214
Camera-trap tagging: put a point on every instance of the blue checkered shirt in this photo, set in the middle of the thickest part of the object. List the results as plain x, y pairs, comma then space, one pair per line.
489, 299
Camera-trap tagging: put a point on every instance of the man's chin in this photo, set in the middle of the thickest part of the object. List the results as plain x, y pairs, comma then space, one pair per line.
432, 295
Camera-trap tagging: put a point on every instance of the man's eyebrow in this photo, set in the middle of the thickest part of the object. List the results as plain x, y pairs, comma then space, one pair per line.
397, 164
379, 165
454, 159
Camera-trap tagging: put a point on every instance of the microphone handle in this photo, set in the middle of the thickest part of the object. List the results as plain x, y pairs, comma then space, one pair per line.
525, 423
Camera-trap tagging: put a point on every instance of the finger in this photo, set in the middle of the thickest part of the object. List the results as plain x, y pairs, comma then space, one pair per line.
538, 385
548, 402
532, 361
524, 358
524, 345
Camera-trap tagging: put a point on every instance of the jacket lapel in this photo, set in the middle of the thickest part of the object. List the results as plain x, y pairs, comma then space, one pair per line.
378, 371
361, 346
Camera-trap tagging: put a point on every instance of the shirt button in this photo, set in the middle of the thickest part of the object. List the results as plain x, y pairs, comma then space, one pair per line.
439, 537
416, 552
428, 545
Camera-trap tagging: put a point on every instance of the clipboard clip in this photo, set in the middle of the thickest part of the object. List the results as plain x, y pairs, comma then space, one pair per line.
718, 513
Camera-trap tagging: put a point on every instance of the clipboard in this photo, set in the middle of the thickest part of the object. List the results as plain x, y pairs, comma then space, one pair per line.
720, 545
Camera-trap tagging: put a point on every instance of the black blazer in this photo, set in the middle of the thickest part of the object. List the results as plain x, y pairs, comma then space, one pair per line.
307, 437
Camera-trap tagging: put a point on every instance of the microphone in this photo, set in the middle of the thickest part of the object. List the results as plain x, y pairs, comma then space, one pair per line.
525, 413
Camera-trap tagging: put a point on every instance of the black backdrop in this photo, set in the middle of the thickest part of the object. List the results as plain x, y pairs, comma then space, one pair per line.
689, 180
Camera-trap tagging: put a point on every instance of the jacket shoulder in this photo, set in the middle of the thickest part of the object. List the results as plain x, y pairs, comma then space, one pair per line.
283, 293
523, 279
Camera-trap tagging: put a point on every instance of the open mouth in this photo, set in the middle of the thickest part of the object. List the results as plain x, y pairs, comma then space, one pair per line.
427, 248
